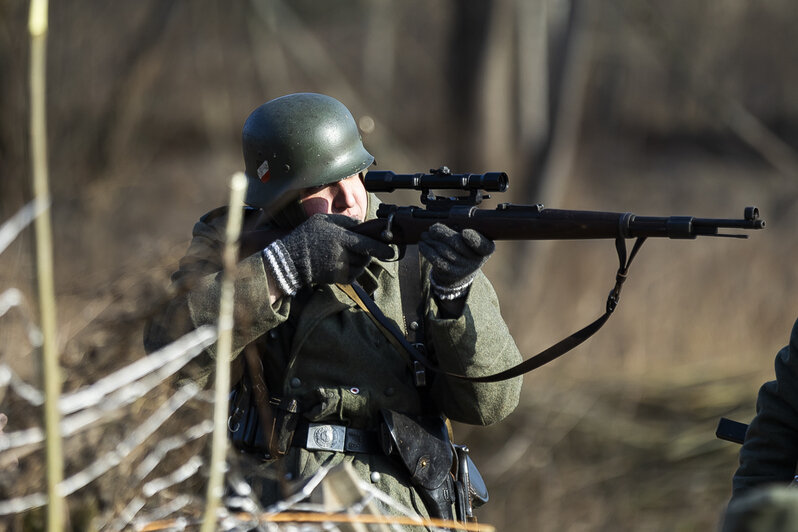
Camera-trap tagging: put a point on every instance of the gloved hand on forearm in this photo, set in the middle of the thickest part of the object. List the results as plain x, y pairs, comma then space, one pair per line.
455, 259
321, 251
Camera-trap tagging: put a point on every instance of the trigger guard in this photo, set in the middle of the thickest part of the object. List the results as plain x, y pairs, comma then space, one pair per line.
402, 249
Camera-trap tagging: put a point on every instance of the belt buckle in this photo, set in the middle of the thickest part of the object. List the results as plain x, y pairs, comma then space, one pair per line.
323, 437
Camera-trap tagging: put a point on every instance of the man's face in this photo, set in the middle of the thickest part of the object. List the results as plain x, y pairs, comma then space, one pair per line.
347, 197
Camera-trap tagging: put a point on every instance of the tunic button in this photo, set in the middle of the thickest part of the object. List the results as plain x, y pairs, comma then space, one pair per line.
273, 333
389, 391
413, 325
295, 382
375, 476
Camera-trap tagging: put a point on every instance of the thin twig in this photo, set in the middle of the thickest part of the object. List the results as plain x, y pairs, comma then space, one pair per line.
12, 298
238, 185
110, 460
14, 225
162, 364
308, 517
110, 393
32, 395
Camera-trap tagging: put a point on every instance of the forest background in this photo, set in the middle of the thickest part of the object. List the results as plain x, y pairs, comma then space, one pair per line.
656, 108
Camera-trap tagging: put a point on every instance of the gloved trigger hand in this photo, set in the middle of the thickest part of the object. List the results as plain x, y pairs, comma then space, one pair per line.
455, 258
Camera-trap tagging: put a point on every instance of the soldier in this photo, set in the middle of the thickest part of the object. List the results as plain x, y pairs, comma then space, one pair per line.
339, 389
763, 498
769, 454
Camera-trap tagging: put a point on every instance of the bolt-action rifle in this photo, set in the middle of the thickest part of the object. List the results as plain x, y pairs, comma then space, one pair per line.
404, 225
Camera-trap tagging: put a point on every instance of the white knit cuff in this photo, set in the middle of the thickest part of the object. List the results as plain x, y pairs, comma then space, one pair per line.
450, 293
281, 266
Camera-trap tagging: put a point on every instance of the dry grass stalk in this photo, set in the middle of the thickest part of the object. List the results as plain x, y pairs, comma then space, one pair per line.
238, 185
37, 27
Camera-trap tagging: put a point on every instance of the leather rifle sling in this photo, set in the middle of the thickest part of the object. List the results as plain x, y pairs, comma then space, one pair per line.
545, 356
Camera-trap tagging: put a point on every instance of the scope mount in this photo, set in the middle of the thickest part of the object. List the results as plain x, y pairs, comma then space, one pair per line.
442, 203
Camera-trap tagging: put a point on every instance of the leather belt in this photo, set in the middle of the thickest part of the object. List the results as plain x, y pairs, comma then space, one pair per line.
335, 438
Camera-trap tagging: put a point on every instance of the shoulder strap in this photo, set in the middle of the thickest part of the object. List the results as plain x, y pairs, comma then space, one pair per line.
412, 309
544, 357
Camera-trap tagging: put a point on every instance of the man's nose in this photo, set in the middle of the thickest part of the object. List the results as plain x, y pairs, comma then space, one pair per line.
346, 193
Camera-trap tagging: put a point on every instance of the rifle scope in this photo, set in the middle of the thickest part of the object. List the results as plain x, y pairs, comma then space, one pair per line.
387, 181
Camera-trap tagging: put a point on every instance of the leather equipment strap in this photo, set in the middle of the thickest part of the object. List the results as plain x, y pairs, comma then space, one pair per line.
544, 357
410, 293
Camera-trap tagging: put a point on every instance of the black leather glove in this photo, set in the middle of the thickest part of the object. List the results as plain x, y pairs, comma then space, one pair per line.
321, 251
455, 258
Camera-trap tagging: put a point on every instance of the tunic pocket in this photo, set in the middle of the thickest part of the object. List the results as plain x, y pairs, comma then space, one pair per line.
350, 406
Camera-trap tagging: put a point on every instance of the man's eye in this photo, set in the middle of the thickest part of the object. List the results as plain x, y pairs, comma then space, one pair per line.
312, 190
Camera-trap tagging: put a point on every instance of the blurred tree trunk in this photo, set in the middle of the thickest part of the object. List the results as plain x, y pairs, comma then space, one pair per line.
379, 53
558, 36
506, 81
14, 159
498, 107
115, 120
533, 33
468, 41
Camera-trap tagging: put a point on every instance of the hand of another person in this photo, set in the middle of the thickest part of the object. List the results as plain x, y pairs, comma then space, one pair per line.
322, 251
455, 258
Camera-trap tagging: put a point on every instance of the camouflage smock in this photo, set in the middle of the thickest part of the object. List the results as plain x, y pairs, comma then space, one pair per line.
335, 361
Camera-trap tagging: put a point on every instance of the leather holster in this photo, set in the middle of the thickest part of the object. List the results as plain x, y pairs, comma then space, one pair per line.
423, 447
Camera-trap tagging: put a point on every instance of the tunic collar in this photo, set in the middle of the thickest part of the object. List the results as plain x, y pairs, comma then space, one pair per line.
370, 278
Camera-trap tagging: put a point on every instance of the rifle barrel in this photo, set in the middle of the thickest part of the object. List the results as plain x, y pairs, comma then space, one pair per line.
404, 225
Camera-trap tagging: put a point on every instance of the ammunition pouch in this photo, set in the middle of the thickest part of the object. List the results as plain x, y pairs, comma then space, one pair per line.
243, 424
257, 427
286, 415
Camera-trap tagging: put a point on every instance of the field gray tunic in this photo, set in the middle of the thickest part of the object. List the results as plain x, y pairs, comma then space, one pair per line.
334, 360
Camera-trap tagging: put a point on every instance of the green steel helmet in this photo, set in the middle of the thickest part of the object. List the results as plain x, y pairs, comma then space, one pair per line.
299, 141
